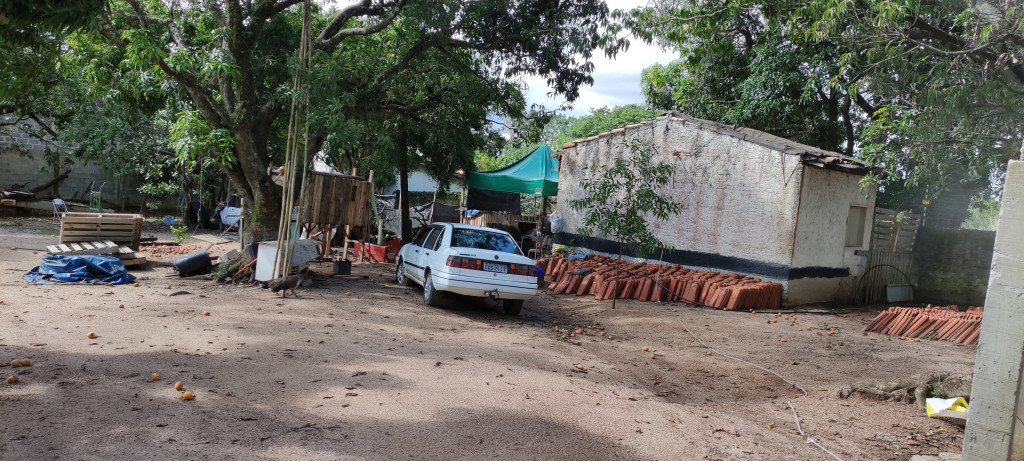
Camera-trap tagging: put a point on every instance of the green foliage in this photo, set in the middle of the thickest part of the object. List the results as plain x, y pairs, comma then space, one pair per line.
982, 215
180, 233
927, 91
619, 200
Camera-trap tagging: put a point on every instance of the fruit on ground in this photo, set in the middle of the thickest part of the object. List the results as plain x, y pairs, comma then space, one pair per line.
12, 379
26, 362
90, 335
155, 376
178, 386
187, 395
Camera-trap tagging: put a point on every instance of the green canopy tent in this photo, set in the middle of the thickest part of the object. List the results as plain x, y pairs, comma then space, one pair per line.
536, 174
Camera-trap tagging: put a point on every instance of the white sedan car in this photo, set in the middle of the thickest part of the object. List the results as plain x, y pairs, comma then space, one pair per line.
468, 260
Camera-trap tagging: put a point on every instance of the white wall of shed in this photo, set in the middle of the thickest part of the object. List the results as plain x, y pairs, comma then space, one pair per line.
821, 235
740, 199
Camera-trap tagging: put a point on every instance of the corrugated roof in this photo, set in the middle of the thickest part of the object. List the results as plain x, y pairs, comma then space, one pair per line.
808, 154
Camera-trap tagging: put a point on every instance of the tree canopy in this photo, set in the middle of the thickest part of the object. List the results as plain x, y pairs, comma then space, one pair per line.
389, 83
928, 90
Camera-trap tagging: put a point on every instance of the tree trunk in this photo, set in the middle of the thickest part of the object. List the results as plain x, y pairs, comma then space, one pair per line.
616, 296
261, 207
403, 203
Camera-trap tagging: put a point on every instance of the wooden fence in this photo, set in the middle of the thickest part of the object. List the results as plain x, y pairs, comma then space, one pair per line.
891, 258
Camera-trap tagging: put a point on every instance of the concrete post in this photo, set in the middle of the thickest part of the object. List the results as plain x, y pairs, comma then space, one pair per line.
995, 425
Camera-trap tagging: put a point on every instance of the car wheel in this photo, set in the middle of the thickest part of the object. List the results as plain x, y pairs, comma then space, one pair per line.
512, 306
431, 296
400, 276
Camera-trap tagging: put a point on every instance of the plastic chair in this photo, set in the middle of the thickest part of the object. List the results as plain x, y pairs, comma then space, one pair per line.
59, 208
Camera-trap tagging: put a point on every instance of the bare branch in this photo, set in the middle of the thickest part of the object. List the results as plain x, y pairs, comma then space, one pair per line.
334, 34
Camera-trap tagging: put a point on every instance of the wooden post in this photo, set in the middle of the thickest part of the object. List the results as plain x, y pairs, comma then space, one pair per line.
366, 221
462, 206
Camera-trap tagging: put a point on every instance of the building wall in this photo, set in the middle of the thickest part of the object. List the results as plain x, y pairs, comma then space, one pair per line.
952, 265
823, 268
740, 198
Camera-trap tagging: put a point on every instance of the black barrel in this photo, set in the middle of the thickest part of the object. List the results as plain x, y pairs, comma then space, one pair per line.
192, 263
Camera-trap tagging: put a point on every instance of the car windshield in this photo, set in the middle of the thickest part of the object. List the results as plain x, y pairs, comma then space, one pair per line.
474, 238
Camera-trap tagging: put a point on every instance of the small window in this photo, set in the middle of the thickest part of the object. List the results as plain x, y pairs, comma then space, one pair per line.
855, 226
434, 240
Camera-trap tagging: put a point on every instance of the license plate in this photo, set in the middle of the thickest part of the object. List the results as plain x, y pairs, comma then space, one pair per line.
492, 267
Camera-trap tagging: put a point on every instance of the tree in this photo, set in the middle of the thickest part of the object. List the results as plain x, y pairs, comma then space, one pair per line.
926, 90
73, 98
619, 200
233, 60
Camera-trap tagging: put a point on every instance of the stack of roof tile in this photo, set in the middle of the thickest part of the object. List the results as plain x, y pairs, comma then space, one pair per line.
607, 278
938, 323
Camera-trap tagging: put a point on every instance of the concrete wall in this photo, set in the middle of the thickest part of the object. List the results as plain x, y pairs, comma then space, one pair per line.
823, 268
995, 427
952, 265
33, 171
740, 198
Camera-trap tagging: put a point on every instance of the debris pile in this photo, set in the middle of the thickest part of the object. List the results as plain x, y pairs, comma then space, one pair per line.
937, 323
605, 278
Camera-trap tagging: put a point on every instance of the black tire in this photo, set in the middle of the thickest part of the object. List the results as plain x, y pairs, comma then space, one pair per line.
512, 306
431, 296
400, 277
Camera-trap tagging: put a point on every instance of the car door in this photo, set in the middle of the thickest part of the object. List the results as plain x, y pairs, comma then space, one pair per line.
411, 255
415, 259
432, 258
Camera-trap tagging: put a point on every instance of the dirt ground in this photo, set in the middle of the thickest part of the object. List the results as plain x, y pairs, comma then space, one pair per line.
359, 369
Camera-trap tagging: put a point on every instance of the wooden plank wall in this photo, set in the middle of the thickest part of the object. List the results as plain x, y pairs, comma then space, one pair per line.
336, 200
891, 256
86, 227
893, 232
886, 268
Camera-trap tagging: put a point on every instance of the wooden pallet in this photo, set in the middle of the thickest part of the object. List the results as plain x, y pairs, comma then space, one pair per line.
127, 256
96, 247
87, 227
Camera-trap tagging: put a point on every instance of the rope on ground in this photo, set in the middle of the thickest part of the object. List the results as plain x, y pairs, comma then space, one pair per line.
796, 415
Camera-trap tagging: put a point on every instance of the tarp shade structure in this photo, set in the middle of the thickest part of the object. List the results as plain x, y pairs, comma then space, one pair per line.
492, 200
536, 174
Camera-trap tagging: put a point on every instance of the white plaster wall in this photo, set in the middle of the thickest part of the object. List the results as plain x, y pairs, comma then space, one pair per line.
740, 198
821, 235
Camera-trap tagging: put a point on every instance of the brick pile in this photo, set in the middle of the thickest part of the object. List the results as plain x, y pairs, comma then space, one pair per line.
607, 278
936, 323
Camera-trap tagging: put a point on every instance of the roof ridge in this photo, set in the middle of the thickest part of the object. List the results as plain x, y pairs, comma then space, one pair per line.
786, 146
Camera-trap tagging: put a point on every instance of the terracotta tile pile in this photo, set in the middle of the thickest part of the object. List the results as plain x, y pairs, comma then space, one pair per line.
605, 278
937, 323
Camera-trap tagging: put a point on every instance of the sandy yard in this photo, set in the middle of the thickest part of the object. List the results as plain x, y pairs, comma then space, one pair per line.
359, 369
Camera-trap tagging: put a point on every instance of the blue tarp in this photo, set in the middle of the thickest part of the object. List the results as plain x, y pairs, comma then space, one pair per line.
79, 269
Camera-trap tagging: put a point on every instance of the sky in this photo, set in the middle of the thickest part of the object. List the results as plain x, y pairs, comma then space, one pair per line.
616, 81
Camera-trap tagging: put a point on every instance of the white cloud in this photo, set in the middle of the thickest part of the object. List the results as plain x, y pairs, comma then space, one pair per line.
616, 80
